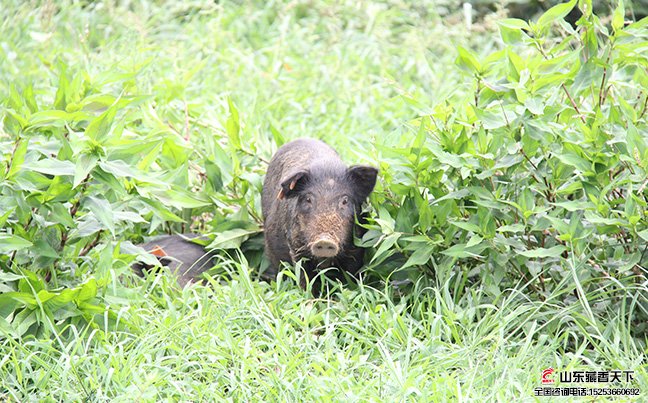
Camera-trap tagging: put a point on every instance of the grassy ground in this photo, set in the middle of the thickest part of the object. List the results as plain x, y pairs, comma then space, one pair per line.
349, 73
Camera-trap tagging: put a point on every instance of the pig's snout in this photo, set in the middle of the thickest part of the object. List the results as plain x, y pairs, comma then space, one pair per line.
325, 247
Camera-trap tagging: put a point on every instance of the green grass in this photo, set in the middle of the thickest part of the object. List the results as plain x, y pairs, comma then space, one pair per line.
324, 70
358, 75
246, 340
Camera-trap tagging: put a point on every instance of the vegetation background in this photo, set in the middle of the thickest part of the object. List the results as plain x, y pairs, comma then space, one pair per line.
508, 230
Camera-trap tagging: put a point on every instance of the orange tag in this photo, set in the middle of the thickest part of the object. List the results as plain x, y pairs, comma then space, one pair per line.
158, 251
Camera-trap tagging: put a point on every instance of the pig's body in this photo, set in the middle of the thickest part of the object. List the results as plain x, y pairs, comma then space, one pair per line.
310, 199
183, 257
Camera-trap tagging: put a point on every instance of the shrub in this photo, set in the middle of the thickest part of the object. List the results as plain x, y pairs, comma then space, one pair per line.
538, 178
84, 176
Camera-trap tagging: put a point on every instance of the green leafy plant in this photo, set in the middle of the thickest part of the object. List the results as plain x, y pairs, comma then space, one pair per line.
83, 175
539, 177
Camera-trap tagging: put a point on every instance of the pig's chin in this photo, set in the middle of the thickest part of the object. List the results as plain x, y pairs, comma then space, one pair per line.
324, 262
320, 261
324, 254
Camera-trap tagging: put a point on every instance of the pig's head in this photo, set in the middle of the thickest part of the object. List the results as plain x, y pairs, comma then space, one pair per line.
322, 204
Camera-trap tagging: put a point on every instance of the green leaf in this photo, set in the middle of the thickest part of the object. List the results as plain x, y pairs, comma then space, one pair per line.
30, 99
643, 234
535, 105
575, 161
54, 118
180, 198
14, 123
15, 100
18, 157
493, 118
129, 216
513, 23
64, 297
44, 249
102, 211
51, 166
121, 169
92, 309
10, 243
544, 252
8, 304
466, 226
7, 277
99, 128
419, 140
276, 135
511, 228
444, 157
231, 239
104, 264
43, 296
383, 250
472, 249
88, 225
556, 12
474, 240
63, 87
232, 126
61, 215
574, 205
618, 16
88, 291
7, 330
25, 296
214, 175
639, 25
24, 320
85, 163
420, 256
511, 30
456, 195
467, 61
5, 216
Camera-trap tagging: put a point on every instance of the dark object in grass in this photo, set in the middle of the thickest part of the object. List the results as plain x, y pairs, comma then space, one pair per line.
186, 259
310, 201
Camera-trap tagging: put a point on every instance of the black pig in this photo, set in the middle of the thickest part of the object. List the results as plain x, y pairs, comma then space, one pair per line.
182, 256
310, 198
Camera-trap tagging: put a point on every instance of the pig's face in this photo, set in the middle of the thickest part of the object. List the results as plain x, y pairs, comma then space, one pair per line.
323, 203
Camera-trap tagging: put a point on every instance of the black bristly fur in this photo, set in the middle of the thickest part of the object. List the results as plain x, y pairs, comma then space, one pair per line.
309, 192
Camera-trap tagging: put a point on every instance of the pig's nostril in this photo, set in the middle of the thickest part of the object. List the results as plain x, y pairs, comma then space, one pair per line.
324, 248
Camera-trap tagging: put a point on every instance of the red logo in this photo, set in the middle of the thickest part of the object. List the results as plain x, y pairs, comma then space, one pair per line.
546, 376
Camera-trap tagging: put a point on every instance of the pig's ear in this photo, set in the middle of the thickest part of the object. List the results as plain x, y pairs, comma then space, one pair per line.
363, 179
293, 184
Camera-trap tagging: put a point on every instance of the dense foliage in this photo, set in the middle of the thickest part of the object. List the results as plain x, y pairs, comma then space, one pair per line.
511, 207
540, 178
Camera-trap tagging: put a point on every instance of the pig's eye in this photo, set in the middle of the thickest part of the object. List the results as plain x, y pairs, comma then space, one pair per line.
309, 199
344, 201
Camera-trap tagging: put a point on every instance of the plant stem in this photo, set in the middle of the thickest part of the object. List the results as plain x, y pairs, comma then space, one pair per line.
602, 91
564, 88
13, 153
91, 245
